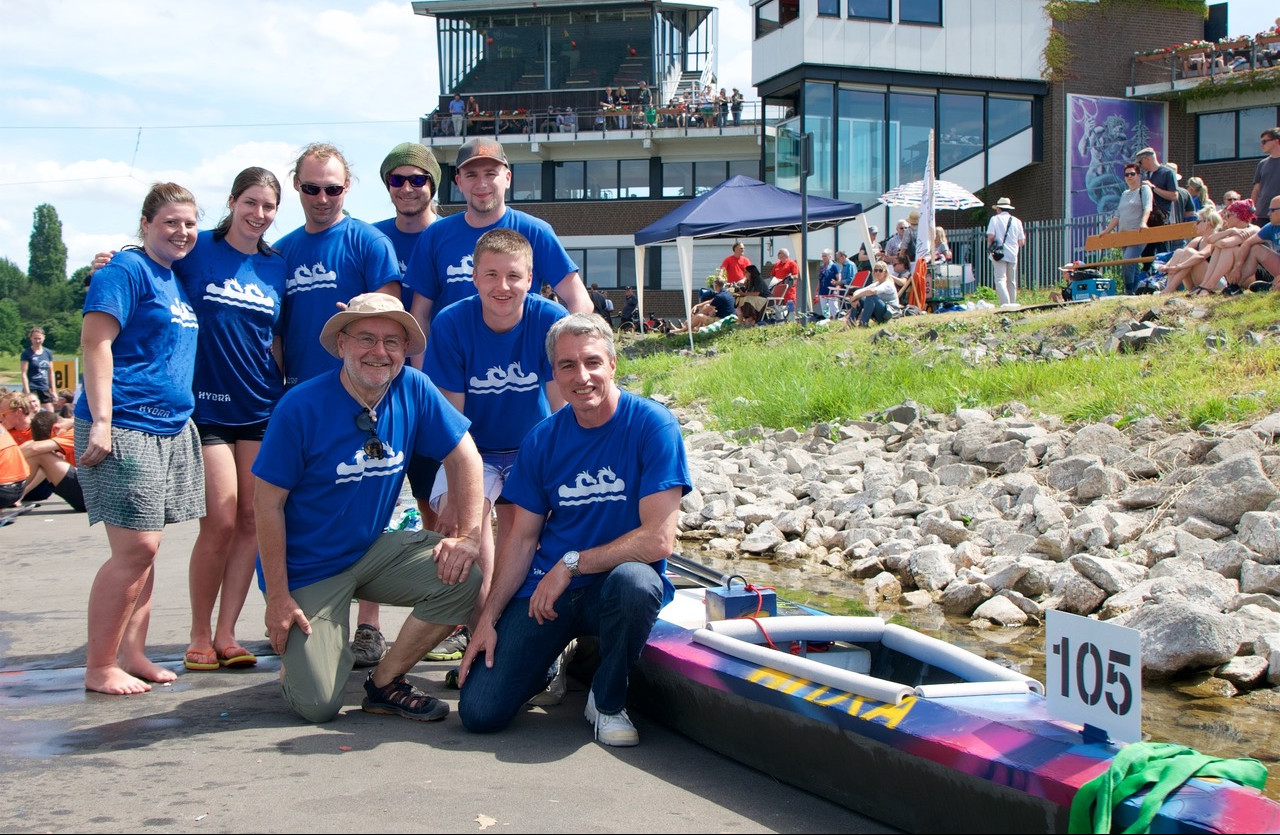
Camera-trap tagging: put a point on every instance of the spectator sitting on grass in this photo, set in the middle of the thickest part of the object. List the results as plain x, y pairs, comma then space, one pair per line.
713, 309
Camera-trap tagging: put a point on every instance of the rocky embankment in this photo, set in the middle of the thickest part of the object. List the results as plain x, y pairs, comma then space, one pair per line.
1000, 517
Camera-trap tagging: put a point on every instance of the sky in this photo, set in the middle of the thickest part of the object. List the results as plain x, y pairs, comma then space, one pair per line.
101, 98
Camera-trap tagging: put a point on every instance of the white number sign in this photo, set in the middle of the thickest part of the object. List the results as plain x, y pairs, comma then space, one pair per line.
1093, 674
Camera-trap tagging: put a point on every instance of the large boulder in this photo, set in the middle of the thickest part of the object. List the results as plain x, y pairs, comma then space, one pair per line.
1180, 637
1228, 490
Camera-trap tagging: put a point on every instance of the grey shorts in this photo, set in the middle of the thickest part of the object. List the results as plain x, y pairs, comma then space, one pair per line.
147, 482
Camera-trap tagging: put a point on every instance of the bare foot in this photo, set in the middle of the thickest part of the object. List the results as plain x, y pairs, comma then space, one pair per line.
114, 681
147, 670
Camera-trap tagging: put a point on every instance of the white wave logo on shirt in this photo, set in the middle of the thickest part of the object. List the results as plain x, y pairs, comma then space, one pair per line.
306, 278
183, 315
462, 272
499, 380
233, 293
362, 465
604, 486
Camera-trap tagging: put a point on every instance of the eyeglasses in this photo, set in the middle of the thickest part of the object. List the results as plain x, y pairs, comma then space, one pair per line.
1131, 173
368, 341
311, 189
879, 270
415, 180
366, 421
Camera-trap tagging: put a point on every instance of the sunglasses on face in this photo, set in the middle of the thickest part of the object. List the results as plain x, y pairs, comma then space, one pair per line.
415, 180
366, 421
311, 189
1131, 173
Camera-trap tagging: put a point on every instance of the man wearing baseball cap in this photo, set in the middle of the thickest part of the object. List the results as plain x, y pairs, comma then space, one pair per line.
328, 475
439, 272
411, 174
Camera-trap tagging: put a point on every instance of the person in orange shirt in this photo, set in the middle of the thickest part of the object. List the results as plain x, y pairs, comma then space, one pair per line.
13, 467
734, 267
51, 455
786, 290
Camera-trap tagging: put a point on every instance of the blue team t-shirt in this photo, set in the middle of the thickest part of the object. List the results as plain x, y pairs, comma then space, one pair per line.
502, 376
591, 481
238, 300
1271, 234
403, 243
340, 500
322, 269
154, 354
441, 267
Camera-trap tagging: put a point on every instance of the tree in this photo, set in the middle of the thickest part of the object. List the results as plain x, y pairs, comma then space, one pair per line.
13, 281
47, 264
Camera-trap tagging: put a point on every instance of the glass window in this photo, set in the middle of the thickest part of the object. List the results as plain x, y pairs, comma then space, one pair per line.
788, 10
745, 168
869, 9
602, 179
526, 181
633, 178
786, 162
570, 180
910, 120
819, 104
767, 18
960, 123
1252, 123
708, 175
1005, 117
828, 8
920, 11
1216, 136
601, 267
677, 179
860, 147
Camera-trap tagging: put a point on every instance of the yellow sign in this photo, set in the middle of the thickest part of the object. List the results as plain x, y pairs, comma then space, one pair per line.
65, 374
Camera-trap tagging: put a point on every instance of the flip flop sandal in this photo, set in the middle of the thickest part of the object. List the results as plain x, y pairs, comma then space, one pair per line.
236, 656
201, 660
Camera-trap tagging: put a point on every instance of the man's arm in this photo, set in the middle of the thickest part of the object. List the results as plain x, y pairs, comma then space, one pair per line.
282, 610
421, 310
391, 288
512, 559
1256, 193
653, 540
464, 471
573, 293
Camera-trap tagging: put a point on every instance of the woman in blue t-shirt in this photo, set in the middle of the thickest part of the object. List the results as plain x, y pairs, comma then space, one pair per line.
137, 450
236, 283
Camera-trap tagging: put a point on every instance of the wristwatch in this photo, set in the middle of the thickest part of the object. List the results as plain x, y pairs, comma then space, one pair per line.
570, 561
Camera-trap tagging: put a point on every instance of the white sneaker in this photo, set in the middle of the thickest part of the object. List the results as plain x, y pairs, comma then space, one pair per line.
614, 729
559, 685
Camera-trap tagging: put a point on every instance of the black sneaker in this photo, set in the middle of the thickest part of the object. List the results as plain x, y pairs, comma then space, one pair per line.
1233, 290
400, 698
1260, 287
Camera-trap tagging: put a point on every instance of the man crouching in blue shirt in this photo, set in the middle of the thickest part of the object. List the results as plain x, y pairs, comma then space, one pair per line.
328, 475
596, 489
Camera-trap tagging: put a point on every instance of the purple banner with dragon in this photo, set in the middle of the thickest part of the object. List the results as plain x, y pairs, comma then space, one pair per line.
1102, 135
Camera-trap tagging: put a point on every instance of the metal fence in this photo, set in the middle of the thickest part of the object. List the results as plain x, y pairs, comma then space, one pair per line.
1050, 244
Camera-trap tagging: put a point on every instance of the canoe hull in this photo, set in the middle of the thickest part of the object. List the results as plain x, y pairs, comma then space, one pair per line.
966, 764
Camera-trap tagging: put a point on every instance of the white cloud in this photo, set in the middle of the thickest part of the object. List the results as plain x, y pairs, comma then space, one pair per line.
103, 97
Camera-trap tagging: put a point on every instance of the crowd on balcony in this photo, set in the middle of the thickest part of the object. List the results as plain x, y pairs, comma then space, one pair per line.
1200, 58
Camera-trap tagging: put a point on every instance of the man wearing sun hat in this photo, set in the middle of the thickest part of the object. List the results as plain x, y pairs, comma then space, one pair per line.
1007, 230
439, 272
328, 475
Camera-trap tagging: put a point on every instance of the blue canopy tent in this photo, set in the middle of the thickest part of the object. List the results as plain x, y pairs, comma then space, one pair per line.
740, 207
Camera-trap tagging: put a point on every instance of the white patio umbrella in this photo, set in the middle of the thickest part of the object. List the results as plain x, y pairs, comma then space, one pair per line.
946, 196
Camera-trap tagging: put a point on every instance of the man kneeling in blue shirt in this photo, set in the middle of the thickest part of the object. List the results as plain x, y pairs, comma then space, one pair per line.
329, 473
596, 489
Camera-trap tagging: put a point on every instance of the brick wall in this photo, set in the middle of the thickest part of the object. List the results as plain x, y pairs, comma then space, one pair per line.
1102, 45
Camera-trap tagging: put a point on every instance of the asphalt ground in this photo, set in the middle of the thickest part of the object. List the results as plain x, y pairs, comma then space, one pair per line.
220, 751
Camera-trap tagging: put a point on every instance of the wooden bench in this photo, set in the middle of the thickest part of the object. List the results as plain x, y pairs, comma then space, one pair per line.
1120, 240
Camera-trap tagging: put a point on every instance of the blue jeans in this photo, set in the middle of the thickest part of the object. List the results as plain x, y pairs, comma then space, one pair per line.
1130, 271
620, 608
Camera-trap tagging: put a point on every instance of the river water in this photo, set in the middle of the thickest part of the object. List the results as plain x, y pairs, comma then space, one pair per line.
1195, 712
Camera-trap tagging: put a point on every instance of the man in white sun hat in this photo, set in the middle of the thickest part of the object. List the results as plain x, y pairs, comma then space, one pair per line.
1006, 230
